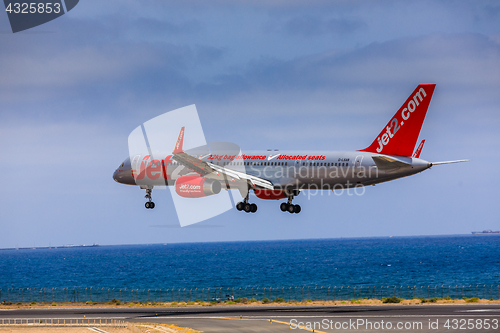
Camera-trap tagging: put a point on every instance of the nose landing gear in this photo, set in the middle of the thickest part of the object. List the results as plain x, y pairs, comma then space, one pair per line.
150, 204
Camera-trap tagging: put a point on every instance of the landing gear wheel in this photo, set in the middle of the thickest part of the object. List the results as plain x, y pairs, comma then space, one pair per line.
150, 204
253, 208
240, 206
247, 208
289, 206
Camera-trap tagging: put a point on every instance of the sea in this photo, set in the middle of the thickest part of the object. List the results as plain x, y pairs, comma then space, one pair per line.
397, 261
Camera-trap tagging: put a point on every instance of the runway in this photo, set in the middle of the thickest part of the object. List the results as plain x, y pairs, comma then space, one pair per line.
380, 318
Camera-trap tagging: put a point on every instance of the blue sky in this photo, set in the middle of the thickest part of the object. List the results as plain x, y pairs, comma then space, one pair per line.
318, 75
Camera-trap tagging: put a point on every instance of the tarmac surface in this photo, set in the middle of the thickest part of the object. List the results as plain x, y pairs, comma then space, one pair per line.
359, 318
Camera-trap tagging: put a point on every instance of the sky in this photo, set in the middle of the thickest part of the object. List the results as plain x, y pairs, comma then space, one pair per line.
289, 75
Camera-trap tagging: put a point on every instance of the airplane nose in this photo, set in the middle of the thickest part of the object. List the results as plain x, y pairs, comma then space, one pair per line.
123, 177
116, 176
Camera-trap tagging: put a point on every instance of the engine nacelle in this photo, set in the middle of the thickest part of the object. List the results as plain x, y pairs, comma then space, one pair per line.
196, 187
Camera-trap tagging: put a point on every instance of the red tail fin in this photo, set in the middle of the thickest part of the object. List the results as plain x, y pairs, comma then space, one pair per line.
419, 149
401, 132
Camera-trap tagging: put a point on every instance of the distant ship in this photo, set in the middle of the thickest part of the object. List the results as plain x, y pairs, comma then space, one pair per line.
486, 232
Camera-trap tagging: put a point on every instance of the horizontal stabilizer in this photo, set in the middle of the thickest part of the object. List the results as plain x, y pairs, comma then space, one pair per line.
388, 164
449, 162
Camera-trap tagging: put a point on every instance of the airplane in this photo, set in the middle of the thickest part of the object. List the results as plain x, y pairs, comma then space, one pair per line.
278, 175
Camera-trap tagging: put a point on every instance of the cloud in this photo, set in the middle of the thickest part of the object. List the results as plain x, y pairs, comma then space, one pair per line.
159, 27
207, 55
137, 80
308, 26
491, 12
461, 60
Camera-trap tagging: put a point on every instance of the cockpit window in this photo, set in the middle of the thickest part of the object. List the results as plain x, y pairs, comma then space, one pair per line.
121, 165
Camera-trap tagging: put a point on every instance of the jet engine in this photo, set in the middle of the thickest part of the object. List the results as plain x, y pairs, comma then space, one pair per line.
196, 187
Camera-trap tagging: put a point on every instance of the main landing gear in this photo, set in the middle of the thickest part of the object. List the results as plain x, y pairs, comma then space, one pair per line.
245, 206
150, 204
290, 207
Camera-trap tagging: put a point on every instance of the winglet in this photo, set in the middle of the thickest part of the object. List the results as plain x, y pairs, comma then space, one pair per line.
180, 141
419, 149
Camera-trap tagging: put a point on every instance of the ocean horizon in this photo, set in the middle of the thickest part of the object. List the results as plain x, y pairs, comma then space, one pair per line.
397, 260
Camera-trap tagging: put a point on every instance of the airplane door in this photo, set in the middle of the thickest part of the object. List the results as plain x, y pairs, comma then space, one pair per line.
357, 162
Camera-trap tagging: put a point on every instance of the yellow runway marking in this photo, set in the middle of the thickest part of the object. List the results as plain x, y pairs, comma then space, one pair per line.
271, 321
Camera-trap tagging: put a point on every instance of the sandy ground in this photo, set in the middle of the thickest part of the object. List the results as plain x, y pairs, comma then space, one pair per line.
61, 330
203, 304
137, 328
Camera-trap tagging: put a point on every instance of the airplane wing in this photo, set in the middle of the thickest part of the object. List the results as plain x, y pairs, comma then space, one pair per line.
207, 169
238, 175
197, 165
